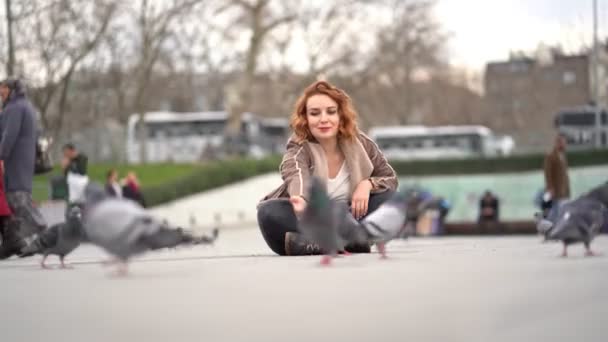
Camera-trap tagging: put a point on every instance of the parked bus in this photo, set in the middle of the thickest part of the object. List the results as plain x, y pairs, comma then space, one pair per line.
189, 137
579, 126
437, 142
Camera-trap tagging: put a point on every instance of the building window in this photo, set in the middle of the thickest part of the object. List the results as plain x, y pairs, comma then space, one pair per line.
519, 67
569, 77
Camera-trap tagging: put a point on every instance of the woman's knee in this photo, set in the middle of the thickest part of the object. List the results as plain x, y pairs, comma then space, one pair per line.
274, 220
273, 212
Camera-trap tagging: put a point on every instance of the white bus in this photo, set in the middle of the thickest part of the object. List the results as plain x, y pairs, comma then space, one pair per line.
580, 127
437, 142
186, 137
275, 132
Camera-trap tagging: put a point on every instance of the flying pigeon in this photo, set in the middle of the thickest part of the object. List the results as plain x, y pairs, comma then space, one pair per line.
125, 229
387, 222
320, 219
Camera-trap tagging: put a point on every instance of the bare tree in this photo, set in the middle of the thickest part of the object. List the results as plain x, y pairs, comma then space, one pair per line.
149, 27
259, 18
59, 37
410, 45
10, 66
15, 12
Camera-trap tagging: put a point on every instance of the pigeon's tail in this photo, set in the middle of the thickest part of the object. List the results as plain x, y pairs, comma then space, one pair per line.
207, 240
45, 240
167, 238
32, 248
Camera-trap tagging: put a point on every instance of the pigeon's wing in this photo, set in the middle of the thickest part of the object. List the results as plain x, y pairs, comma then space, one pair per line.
349, 230
50, 236
597, 214
112, 221
48, 239
574, 222
320, 231
385, 223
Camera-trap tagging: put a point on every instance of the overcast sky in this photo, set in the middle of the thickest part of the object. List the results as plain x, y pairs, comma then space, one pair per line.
485, 30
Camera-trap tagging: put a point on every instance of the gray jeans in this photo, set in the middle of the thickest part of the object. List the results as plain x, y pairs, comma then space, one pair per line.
27, 219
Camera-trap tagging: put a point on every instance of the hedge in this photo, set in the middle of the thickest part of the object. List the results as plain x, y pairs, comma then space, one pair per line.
209, 176
516, 163
164, 183
149, 175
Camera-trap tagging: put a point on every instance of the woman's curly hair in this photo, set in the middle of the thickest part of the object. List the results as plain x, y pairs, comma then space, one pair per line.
348, 116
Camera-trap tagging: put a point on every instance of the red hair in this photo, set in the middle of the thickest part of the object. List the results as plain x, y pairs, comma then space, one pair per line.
348, 115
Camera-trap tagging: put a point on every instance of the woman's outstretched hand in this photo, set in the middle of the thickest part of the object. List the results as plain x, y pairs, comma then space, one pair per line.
298, 203
360, 200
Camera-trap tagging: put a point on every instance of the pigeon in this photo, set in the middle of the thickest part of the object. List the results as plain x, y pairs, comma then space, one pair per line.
579, 220
60, 239
125, 229
331, 226
320, 220
387, 222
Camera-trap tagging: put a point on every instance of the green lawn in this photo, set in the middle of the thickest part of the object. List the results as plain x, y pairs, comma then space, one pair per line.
149, 175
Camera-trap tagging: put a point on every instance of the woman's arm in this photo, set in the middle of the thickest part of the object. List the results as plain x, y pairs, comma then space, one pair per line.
383, 177
295, 169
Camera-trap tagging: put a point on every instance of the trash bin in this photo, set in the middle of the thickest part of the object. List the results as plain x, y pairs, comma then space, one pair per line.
59, 188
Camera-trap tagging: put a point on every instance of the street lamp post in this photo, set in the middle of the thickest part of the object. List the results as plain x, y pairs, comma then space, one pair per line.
596, 76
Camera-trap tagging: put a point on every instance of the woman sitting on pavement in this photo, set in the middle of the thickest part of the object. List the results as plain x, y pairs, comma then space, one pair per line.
326, 143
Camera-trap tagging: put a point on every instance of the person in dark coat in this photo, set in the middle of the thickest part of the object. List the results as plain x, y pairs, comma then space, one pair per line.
74, 161
488, 207
18, 153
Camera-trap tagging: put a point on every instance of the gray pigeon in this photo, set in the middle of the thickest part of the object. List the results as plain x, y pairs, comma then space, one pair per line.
331, 226
124, 229
60, 239
320, 220
387, 222
579, 220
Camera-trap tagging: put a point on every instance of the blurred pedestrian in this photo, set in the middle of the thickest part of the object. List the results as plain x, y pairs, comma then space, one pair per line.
488, 207
17, 154
557, 183
113, 188
132, 189
73, 161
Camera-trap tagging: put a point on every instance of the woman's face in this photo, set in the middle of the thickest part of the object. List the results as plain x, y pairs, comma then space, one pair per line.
323, 117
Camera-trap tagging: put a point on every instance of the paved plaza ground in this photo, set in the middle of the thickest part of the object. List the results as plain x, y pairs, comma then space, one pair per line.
431, 289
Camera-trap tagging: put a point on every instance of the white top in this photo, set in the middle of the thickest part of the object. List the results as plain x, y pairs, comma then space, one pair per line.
117, 189
338, 188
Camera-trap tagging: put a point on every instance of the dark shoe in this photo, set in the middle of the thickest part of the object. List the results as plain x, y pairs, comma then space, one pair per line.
358, 248
296, 244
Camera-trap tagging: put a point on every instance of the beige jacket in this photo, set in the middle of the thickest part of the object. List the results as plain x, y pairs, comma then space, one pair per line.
305, 159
